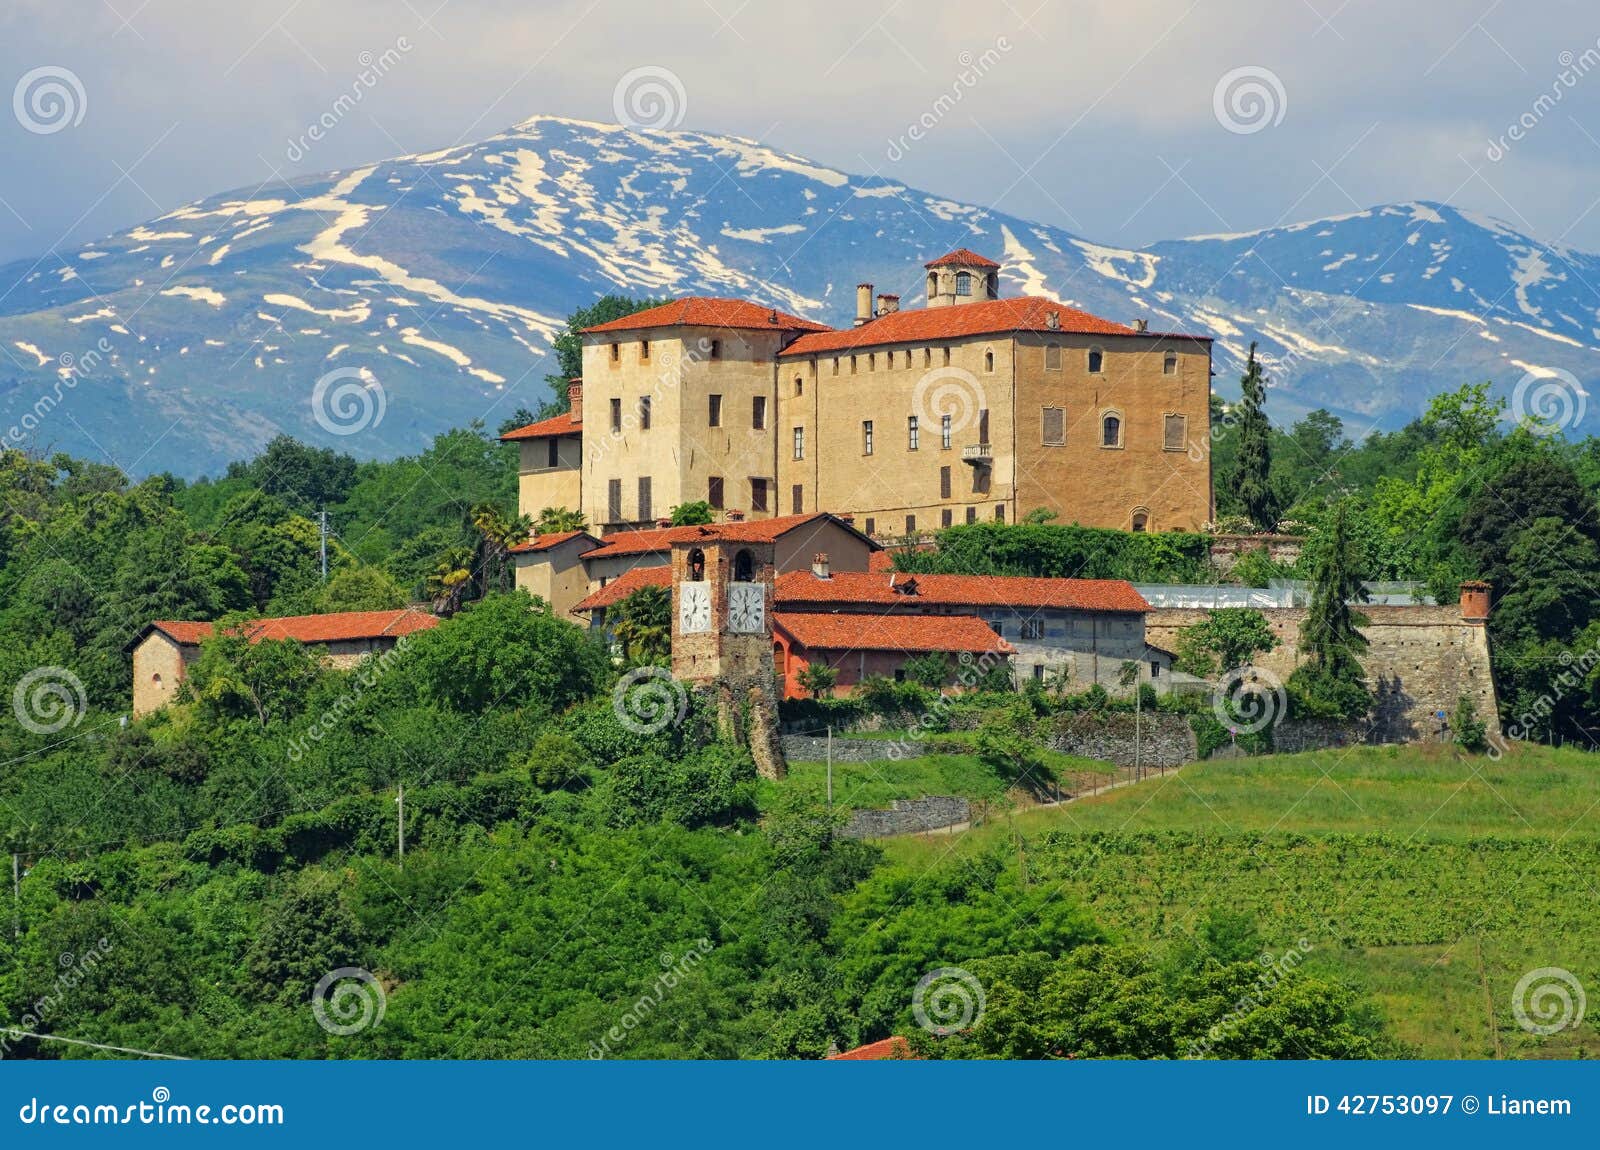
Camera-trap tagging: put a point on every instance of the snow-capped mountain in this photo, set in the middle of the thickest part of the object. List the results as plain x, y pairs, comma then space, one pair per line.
398, 299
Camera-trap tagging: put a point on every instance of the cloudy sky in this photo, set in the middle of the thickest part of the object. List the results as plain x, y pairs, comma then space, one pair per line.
1125, 122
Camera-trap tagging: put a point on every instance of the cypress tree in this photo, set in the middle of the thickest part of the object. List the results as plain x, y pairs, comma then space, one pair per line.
1252, 481
1329, 634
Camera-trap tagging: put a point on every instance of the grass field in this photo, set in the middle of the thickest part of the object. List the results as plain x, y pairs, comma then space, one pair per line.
1433, 881
863, 785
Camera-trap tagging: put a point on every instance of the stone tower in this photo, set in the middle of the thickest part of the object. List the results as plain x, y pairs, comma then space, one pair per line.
722, 599
962, 276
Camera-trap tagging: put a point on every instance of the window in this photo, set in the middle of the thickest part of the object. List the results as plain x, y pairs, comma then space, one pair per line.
797, 500
799, 386
983, 425
866, 437
644, 413
799, 443
616, 353
1000, 513
980, 480
852, 365
1038, 671
944, 483
908, 357
1141, 520
963, 283
933, 283
947, 357
1155, 669
1053, 426
714, 492
1052, 357
988, 362
872, 361
872, 527
616, 415
1097, 359
911, 524
644, 497
714, 349
835, 365
972, 515
1175, 433
1169, 363
946, 517
1032, 629
644, 351
552, 448
1111, 431
714, 412
927, 357
944, 432
758, 495
912, 435
614, 501
758, 413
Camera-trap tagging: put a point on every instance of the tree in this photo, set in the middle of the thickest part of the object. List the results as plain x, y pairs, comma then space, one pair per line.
1226, 638
929, 670
691, 514
818, 678
267, 681
497, 534
556, 520
305, 478
359, 589
641, 624
1330, 683
1534, 484
1252, 479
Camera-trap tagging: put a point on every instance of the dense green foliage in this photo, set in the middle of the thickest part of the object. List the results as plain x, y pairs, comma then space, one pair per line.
1062, 551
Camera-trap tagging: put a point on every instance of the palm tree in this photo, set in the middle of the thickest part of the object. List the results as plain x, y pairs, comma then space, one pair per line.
557, 519
642, 625
497, 535
447, 583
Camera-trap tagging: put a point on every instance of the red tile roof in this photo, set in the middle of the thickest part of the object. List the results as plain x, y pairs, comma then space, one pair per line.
556, 425
907, 633
879, 1051
337, 627
965, 257
749, 531
881, 561
709, 311
545, 542
1024, 313
624, 585
876, 588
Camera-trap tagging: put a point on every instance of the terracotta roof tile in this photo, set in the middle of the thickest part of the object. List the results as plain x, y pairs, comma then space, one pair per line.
1024, 313
556, 425
876, 588
965, 257
907, 633
336, 627
624, 585
884, 1048
545, 542
750, 530
709, 311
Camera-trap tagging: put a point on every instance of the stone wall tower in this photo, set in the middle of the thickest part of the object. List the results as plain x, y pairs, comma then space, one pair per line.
722, 600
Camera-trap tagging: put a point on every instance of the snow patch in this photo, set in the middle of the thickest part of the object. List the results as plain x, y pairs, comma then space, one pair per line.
203, 294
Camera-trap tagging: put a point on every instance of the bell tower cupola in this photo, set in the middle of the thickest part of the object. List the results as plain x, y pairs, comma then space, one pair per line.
962, 276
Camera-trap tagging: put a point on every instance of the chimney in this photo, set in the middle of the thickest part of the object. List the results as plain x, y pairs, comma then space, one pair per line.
733, 515
575, 399
1474, 602
1052, 320
863, 303
819, 564
888, 304
664, 521
1141, 326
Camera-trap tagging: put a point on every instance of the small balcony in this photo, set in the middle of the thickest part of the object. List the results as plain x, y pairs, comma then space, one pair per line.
978, 454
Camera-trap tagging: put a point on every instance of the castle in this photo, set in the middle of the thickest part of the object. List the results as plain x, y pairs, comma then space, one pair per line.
972, 407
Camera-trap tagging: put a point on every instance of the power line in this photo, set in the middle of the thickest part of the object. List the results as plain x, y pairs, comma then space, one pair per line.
96, 1045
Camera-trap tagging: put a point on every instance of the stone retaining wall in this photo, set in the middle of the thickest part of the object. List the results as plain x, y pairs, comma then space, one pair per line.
909, 816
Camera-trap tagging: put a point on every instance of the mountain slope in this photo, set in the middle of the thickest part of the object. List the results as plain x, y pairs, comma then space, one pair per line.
429, 286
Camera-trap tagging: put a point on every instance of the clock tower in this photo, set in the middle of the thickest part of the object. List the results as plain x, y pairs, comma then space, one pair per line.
722, 598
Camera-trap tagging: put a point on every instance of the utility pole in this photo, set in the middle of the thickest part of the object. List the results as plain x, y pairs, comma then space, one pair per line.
830, 766
322, 520
1138, 704
16, 897
400, 822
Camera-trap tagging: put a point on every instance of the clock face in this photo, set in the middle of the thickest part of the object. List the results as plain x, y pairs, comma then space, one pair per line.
747, 607
694, 607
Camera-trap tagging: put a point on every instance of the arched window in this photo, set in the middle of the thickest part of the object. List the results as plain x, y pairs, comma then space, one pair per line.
1097, 359
963, 283
743, 567
1141, 520
993, 285
1110, 430
933, 284
1169, 363
156, 678
988, 361
697, 565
